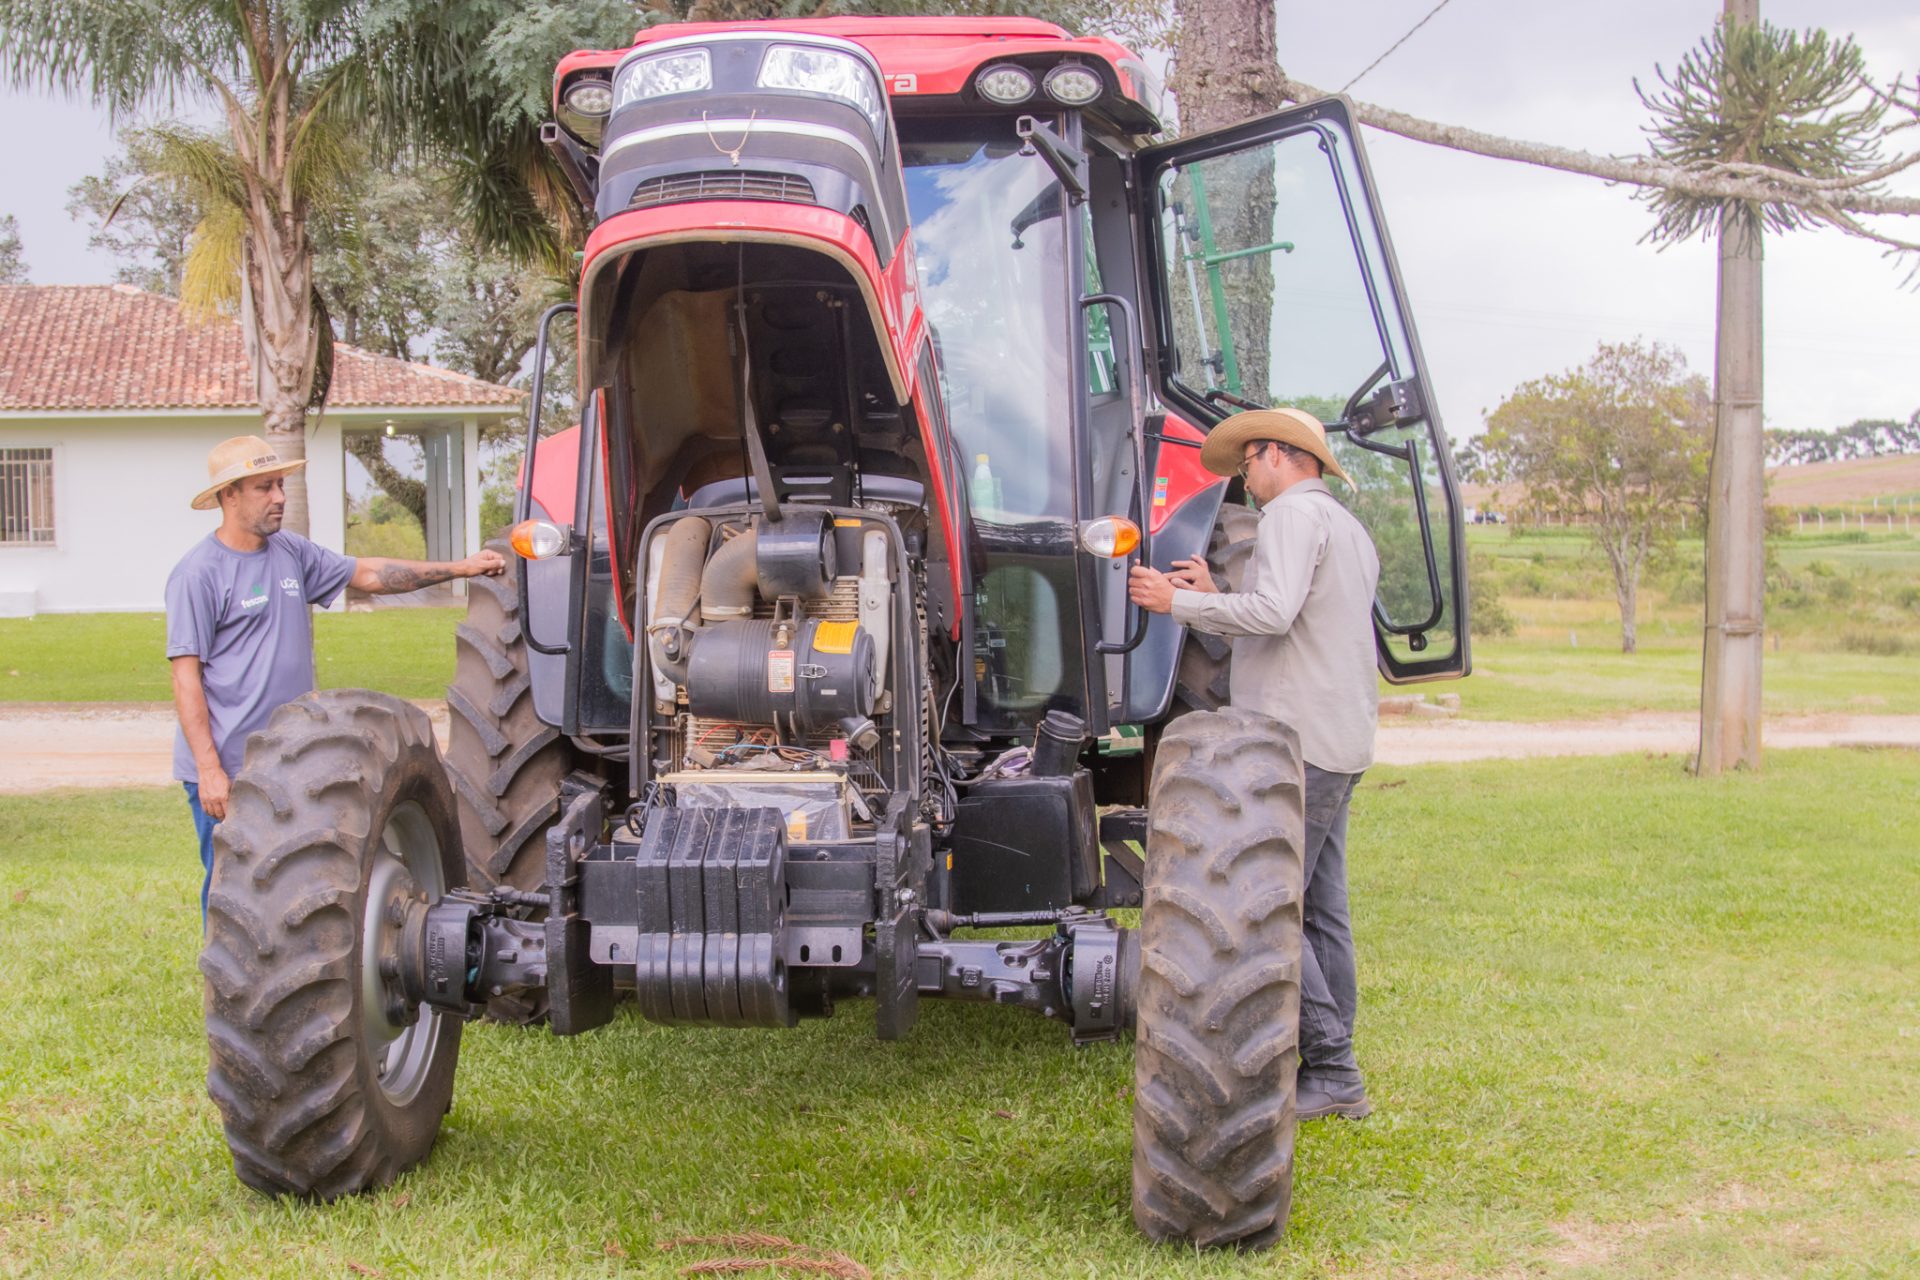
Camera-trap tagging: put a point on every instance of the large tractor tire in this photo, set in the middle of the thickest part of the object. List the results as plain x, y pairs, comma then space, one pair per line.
505, 764
1201, 684
1217, 1043
341, 813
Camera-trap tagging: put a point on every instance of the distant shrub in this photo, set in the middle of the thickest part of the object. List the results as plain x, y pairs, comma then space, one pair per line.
1839, 590
1908, 597
1486, 615
1822, 569
394, 541
1689, 587
1881, 644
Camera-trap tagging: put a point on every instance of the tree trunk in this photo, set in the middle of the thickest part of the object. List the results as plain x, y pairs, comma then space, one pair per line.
276, 298
279, 289
1736, 494
1226, 70
371, 450
1628, 590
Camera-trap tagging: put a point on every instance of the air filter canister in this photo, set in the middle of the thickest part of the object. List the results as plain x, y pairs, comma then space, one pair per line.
738, 672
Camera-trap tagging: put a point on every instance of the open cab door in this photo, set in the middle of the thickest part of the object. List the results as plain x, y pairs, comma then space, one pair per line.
1272, 282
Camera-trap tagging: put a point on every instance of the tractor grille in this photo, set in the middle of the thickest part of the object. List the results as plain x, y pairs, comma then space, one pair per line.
735, 185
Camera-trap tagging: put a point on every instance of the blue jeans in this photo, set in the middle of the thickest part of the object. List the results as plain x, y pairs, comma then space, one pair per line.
1329, 982
203, 825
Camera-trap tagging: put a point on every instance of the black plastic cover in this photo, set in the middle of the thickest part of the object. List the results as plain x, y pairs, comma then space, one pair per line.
1025, 844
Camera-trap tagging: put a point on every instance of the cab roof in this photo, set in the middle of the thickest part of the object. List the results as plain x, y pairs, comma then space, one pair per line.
929, 58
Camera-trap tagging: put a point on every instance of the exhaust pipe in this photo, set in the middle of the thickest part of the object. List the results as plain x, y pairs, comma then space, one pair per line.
676, 604
727, 584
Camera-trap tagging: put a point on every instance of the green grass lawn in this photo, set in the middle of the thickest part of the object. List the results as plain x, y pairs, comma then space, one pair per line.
1537, 678
121, 657
1618, 1023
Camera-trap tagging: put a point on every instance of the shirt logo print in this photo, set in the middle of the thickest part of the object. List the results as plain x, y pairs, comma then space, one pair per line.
291, 586
256, 595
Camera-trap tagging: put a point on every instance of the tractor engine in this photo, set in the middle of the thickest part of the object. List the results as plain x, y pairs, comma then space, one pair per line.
769, 644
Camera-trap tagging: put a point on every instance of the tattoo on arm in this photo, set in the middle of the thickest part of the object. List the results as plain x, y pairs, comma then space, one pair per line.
397, 576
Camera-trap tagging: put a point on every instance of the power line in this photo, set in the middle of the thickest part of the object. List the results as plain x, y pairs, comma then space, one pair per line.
1396, 44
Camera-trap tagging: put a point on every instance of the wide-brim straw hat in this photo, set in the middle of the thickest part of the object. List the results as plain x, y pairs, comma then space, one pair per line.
1227, 443
236, 459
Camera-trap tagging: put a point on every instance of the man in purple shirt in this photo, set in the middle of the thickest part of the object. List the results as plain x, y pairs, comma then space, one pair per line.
239, 626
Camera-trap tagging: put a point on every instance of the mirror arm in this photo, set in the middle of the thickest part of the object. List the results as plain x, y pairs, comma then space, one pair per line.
1068, 162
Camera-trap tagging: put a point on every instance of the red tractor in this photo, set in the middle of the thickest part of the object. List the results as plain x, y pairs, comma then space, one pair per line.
817, 675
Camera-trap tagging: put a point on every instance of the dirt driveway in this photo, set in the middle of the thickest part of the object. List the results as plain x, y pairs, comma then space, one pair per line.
45, 745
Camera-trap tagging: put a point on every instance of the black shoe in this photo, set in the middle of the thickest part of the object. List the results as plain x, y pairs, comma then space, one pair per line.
1318, 1099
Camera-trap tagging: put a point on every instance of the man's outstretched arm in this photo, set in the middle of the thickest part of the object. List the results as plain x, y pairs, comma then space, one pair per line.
379, 576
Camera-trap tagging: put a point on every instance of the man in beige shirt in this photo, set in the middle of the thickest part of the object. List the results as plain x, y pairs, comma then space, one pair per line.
1303, 654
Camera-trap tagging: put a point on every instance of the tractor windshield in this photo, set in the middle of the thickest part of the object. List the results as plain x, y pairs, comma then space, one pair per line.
992, 246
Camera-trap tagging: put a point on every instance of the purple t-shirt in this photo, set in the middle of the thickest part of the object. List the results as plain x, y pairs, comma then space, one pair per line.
244, 615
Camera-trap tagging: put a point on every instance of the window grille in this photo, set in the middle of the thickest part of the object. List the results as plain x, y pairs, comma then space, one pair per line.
26, 497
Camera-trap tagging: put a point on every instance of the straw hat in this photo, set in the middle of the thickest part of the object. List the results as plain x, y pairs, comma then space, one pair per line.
1226, 443
236, 459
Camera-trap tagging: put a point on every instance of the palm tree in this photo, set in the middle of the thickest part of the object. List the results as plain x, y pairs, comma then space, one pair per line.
294, 80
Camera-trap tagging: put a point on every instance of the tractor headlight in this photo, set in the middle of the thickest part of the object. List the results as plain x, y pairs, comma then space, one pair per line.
665, 74
590, 98
1073, 84
829, 72
1006, 83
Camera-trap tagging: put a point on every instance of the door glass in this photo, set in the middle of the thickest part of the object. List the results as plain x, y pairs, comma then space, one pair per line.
1277, 279
991, 240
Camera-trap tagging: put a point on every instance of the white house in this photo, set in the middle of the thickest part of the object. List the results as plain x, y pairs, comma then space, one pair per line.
110, 398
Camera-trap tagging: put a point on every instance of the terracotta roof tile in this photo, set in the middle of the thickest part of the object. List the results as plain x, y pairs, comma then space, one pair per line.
118, 347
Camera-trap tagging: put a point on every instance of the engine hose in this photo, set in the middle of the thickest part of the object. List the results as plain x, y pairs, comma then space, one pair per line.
676, 608
727, 584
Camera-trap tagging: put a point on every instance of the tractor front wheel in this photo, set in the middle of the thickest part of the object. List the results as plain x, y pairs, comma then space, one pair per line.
1217, 1036
327, 1083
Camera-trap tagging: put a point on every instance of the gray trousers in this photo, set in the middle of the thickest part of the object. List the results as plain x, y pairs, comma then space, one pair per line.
1329, 985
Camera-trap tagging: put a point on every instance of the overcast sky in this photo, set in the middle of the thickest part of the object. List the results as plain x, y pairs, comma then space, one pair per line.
1514, 272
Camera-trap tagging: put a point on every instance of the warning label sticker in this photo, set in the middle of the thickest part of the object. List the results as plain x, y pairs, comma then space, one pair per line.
780, 671
835, 637
1159, 491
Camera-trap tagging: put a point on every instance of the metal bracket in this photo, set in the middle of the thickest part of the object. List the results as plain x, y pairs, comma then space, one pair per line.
1067, 161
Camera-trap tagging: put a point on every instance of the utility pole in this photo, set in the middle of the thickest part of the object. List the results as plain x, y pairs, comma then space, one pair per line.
1736, 493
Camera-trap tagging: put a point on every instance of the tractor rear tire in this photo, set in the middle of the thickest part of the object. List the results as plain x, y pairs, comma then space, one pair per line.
1205, 660
1217, 1035
341, 812
505, 764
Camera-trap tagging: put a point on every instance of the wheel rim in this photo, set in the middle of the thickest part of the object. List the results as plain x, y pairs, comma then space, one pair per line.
406, 859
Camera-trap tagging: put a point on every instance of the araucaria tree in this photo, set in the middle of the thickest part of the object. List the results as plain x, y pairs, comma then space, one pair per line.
1620, 444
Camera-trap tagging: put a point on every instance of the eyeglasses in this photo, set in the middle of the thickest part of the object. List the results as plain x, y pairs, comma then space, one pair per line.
1250, 459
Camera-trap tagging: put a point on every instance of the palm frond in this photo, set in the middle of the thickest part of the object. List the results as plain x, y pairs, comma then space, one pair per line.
205, 161
122, 54
324, 157
210, 282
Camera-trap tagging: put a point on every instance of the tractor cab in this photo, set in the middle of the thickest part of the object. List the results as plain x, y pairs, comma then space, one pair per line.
943, 257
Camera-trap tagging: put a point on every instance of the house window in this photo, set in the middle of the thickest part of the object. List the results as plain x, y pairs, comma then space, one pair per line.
26, 497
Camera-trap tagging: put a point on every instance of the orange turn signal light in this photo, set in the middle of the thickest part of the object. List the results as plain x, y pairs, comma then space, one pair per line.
1110, 536
538, 539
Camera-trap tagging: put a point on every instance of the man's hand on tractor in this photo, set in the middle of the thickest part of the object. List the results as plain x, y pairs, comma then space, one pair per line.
1192, 574
1151, 589
483, 564
214, 789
